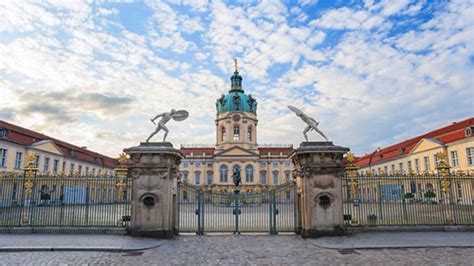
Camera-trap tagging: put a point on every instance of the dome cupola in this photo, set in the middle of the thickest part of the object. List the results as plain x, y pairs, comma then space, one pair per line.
236, 99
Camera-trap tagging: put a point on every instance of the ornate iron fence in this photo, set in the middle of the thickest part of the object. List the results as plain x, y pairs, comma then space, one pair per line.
441, 198
43, 201
32, 200
409, 200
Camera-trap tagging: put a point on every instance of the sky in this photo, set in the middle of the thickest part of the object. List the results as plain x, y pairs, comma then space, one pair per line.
373, 73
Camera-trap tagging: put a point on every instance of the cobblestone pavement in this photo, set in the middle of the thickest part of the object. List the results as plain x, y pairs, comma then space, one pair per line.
248, 249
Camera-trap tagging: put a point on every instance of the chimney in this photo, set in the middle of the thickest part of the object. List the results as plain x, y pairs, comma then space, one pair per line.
84, 147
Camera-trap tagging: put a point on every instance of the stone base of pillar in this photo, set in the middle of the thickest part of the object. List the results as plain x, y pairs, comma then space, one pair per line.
151, 233
314, 233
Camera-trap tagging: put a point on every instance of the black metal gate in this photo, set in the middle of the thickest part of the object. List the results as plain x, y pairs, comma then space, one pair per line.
269, 211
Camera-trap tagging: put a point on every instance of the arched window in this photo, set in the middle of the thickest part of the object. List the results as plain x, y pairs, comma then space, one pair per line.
249, 134
197, 177
249, 174
236, 132
263, 177
223, 173
223, 134
275, 177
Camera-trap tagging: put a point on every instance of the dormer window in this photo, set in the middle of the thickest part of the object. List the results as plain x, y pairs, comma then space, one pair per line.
3, 132
468, 131
401, 150
380, 156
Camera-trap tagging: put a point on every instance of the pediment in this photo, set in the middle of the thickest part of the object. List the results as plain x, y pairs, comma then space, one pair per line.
426, 144
48, 146
235, 151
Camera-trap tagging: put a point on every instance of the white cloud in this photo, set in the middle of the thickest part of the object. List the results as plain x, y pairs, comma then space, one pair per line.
346, 18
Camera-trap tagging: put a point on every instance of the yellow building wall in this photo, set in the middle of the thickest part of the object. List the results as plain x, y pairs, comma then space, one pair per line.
426, 148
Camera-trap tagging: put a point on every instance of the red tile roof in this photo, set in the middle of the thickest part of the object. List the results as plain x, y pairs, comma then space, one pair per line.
447, 134
23, 136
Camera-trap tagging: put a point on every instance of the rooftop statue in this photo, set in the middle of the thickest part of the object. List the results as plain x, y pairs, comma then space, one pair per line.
312, 124
179, 115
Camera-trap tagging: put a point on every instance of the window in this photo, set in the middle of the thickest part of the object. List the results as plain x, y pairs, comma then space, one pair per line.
223, 134
64, 167
197, 177
287, 164
379, 171
93, 171
197, 164
80, 170
100, 172
263, 177
249, 134
3, 132
417, 165
185, 175
275, 177
87, 170
185, 164
393, 168
55, 166
454, 158
410, 169
470, 155
263, 164
3, 157
249, 173
37, 160
71, 169
288, 176
46, 165
275, 164
436, 159
18, 161
236, 133
209, 177
223, 173
209, 165
385, 169
400, 166
427, 163
468, 132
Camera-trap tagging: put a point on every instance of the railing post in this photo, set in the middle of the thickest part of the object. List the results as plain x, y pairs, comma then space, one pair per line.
443, 171
351, 172
28, 184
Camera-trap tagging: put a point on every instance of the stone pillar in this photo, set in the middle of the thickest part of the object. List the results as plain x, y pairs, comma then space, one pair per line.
154, 172
318, 171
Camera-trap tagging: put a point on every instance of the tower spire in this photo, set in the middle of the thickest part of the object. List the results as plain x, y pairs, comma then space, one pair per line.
236, 79
236, 67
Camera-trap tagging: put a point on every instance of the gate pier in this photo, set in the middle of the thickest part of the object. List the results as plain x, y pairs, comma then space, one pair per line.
318, 171
154, 171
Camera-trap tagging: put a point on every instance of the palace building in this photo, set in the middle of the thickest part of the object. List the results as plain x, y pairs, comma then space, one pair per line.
261, 166
53, 156
419, 154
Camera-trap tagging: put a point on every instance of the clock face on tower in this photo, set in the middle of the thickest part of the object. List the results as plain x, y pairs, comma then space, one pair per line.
236, 118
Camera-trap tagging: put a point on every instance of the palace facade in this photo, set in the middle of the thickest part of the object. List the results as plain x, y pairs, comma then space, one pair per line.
418, 154
53, 156
261, 166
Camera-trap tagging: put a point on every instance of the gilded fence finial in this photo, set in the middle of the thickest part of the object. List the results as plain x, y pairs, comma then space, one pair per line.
121, 171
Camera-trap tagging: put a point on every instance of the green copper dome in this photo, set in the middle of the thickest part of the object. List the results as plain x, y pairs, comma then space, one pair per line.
236, 100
